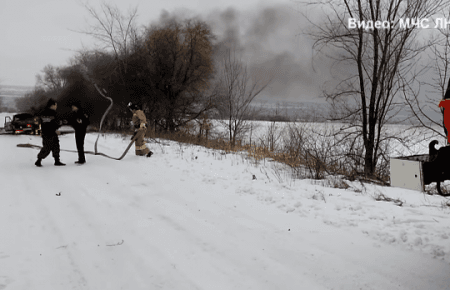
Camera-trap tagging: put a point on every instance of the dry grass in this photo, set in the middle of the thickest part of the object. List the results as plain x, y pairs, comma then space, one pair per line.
300, 167
315, 163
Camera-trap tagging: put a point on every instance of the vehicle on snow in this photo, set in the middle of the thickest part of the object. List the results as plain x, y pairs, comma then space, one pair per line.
23, 123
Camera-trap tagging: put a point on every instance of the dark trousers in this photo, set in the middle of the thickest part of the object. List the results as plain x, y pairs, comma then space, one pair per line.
49, 144
79, 139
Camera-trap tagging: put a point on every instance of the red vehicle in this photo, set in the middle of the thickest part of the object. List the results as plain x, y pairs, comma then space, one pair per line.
23, 123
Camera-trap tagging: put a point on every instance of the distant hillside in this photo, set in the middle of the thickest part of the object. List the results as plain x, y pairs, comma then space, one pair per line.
14, 91
302, 110
8, 95
7, 104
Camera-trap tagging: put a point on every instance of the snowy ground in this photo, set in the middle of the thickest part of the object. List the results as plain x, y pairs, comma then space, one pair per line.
192, 218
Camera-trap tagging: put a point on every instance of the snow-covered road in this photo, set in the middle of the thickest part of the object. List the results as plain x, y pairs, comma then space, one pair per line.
191, 218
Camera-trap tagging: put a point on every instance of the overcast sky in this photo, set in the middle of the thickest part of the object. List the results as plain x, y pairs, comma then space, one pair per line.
35, 33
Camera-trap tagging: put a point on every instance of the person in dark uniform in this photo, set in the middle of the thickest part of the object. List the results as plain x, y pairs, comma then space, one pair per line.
50, 142
79, 120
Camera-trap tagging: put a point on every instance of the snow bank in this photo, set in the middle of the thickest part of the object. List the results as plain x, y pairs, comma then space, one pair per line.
194, 218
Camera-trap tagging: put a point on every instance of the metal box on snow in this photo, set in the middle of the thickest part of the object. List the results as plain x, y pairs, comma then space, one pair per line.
407, 171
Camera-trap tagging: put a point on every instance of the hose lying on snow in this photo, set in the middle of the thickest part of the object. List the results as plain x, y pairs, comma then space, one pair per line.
28, 145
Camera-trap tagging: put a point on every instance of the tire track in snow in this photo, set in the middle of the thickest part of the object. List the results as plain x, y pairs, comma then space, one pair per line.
48, 254
121, 265
205, 237
97, 207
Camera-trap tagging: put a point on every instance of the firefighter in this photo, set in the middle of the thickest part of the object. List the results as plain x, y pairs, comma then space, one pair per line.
79, 120
445, 103
140, 125
50, 142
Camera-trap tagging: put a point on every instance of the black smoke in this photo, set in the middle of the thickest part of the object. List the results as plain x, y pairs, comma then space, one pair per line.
272, 42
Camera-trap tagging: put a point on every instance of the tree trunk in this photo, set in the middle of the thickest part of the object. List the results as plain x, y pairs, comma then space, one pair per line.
369, 164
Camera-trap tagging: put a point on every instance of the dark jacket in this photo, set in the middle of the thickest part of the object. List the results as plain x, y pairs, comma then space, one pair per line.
49, 122
79, 120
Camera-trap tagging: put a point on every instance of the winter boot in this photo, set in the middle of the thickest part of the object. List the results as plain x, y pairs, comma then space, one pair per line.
80, 162
149, 154
38, 162
59, 163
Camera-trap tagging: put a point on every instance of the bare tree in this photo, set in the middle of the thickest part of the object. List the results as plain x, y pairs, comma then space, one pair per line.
108, 63
53, 78
380, 53
271, 137
238, 90
32, 101
116, 33
177, 63
424, 109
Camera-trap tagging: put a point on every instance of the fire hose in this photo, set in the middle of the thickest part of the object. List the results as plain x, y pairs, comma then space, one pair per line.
100, 129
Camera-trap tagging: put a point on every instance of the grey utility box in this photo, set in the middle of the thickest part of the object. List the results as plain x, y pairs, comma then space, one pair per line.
407, 171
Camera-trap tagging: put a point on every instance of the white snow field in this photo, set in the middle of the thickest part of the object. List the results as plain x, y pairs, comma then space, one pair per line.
193, 218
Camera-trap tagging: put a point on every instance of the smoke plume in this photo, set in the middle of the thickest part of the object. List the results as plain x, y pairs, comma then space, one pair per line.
271, 42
